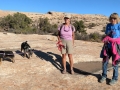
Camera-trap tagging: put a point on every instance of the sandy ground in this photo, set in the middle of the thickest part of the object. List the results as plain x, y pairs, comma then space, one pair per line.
43, 70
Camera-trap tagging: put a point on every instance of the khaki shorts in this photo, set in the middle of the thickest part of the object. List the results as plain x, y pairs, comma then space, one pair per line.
68, 46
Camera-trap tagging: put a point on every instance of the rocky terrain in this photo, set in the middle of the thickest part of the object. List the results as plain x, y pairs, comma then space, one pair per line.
57, 18
43, 70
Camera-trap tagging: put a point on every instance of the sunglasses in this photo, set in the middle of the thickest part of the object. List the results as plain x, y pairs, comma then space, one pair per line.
113, 18
66, 30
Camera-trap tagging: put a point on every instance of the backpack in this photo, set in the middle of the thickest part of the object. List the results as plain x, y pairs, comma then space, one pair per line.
62, 26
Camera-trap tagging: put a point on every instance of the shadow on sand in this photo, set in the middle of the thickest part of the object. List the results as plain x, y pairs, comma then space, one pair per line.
19, 53
58, 63
49, 57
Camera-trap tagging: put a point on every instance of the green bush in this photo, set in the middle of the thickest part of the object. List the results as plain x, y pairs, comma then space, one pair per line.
104, 28
95, 36
80, 27
91, 25
18, 23
45, 27
79, 36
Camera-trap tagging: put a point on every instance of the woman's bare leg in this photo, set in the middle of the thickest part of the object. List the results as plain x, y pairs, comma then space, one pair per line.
64, 62
71, 63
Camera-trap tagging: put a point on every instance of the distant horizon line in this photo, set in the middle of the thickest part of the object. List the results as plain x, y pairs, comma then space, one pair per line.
48, 11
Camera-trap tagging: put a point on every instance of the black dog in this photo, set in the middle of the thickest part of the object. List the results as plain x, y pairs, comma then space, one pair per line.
7, 55
27, 49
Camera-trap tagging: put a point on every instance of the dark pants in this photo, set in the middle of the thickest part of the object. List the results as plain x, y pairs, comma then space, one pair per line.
105, 65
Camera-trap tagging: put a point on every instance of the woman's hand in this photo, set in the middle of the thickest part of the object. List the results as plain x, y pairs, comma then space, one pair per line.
60, 42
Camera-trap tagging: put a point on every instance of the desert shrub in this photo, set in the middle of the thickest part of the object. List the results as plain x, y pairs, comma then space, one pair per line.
20, 23
91, 25
80, 27
103, 36
17, 22
104, 28
79, 36
95, 36
55, 26
45, 27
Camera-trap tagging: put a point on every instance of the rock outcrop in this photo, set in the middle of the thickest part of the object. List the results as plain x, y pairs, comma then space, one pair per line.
100, 21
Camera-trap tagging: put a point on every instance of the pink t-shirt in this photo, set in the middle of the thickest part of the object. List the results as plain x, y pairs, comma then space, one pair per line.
66, 31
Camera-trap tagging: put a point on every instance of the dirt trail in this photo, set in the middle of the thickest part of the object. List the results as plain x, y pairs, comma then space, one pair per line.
42, 71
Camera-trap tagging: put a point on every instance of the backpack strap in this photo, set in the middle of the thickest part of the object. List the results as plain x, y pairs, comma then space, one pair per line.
62, 26
70, 25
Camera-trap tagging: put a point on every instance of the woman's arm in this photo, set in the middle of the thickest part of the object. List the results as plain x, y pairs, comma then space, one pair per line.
73, 34
58, 36
73, 37
108, 30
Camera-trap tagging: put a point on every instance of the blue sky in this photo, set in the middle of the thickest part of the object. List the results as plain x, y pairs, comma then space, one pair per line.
104, 7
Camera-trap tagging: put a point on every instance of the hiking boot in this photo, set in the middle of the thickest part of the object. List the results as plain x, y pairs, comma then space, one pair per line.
72, 72
102, 79
64, 72
113, 81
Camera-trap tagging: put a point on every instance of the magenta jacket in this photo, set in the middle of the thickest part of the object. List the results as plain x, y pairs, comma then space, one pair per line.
115, 48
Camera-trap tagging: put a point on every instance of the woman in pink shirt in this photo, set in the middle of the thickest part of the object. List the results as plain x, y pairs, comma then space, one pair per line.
66, 37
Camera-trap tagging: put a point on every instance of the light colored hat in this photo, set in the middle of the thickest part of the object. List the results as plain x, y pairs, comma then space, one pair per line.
67, 16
